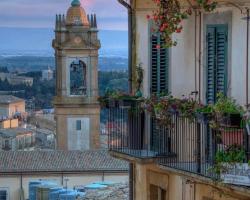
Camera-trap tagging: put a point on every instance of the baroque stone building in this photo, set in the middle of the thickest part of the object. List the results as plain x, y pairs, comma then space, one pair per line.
77, 111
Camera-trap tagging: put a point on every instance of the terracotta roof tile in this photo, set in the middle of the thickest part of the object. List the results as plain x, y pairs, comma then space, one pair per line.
61, 161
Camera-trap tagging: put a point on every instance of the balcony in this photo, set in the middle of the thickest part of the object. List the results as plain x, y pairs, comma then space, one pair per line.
128, 132
188, 145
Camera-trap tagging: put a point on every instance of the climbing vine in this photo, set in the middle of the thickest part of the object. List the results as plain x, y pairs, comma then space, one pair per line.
168, 17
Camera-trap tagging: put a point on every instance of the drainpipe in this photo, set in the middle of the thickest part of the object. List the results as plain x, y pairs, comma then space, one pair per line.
130, 61
200, 33
130, 39
247, 60
195, 55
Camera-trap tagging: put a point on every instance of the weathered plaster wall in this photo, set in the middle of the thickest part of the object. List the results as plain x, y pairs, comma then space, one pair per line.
182, 57
178, 187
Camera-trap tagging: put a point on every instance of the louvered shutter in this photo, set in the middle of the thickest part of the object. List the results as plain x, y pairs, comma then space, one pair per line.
159, 66
216, 61
221, 58
159, 83
154, 64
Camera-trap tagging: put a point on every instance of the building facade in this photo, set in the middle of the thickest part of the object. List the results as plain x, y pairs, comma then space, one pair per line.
20, 168
9, 123
47, 74
14, 139
211, 56
77, 111
13, 79
11, 105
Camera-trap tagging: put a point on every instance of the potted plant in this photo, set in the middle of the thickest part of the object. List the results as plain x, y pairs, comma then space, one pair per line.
160, 108
231, 166
187, 107
228, 112
204, 113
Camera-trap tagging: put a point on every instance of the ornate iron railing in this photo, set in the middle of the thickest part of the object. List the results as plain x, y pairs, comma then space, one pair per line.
187, 144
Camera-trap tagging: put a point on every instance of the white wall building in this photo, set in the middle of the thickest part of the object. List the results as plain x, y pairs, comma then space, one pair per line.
76, 168
47, 74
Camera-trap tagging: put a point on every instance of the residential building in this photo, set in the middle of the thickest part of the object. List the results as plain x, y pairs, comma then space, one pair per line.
20, 80
211, 56
47, 74
8, 123
16, 139
11, 106
14, 79
71, 169
77, 111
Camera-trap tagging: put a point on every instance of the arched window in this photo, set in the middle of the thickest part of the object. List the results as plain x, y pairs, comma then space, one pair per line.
78, 78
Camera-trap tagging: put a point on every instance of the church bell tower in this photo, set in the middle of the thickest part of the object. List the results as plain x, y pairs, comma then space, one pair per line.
77, 111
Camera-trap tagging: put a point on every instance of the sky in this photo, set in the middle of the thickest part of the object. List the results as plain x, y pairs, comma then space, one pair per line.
41, 13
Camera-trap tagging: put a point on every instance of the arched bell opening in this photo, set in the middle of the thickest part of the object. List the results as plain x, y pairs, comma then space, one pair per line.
78, 86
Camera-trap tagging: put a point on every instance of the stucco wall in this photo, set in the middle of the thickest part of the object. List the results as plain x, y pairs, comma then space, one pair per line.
13, 183
182, 57
11, 109
179, 187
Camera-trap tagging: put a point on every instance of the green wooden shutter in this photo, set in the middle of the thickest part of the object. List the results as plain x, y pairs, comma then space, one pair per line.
159, 83
159, 66
154, 64
216, 61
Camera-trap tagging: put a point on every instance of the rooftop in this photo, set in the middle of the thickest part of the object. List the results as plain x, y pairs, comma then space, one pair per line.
13, 132
76, 15
7, 99
60, 161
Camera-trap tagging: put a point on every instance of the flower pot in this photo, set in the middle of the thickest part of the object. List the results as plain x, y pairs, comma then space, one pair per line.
237, 174
232, 120
232, 136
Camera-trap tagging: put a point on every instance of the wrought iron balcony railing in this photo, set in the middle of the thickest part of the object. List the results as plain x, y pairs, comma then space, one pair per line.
189, 144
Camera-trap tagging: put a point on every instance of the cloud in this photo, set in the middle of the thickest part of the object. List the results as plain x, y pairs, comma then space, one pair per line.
41, 13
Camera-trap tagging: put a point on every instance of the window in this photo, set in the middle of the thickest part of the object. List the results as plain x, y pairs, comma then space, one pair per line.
159, 83
3, 194
78, 78
159, 65
78, 125
7, 145
216, 61
157, 193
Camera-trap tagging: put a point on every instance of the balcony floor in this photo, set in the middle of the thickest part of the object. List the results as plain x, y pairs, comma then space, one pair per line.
142, 153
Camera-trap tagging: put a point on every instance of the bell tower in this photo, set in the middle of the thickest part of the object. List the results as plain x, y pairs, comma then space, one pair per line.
77, 111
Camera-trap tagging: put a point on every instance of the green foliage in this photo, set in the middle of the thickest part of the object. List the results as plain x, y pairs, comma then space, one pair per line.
225, 105
231, 156
4, 70
208, 109
112, 81
163, 108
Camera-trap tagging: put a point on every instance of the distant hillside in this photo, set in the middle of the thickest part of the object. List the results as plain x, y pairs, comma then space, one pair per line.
37, 42
37, 63
29, 49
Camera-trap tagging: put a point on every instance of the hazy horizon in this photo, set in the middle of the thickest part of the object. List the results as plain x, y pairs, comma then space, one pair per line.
22, 40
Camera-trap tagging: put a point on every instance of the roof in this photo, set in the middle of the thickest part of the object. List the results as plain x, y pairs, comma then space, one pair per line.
13, 132
77, 15
75, 3
7, 99
60, 161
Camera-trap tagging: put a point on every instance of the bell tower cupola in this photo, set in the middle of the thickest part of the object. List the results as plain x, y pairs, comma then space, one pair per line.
77, 110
